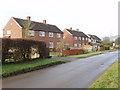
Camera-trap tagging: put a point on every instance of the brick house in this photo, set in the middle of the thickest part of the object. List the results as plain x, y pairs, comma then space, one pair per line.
95, 41
93, 38
75, 38
40, 31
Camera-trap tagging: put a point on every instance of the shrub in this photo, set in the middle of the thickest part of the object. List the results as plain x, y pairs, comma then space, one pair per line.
67, 48
22, 49
85, 51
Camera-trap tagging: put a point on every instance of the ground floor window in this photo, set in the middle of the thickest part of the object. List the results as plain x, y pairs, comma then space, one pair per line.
51, 45
75, 45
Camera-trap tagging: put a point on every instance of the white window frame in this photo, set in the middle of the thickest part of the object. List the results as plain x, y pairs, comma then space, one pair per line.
51, 43
58, 35
75, 38
31, 33
75, 45
41, 33
79, 38
83, 38
51, 34
8, 31
80, 45
58, 43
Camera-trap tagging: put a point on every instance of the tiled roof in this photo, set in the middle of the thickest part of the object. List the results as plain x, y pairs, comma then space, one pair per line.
38, 26
94, 37
77, 33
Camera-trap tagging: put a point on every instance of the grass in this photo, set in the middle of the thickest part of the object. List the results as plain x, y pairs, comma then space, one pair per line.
85, 55
55, 53
13, 69
109, 79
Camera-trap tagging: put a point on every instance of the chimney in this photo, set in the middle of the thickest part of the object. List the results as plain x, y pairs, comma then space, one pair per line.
70, 28
28, 17
44, 21
77, 29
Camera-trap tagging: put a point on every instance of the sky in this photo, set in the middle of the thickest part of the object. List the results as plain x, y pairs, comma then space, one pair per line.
97, 17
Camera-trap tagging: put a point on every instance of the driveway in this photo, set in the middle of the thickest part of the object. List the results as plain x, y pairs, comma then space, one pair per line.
77, 74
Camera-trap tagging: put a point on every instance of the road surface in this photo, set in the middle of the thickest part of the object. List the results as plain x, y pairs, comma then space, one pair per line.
76, 74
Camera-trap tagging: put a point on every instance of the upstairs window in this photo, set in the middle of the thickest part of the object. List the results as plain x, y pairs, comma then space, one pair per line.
75, 38
41, 33
51, 34
58, 35
58, 43
8, 32
31, 33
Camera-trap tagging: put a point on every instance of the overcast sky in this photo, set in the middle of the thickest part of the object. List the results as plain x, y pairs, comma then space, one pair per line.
99, 17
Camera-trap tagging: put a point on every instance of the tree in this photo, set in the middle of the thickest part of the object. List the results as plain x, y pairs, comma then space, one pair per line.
106, 39
60, 47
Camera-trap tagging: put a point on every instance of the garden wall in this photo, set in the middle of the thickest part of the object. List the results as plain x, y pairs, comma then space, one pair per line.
73, 52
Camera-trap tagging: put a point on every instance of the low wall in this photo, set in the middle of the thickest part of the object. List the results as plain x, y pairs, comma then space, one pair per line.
73, 52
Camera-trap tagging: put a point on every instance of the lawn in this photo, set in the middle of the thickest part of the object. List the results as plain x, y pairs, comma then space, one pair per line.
109, 79
13, 69
85, 55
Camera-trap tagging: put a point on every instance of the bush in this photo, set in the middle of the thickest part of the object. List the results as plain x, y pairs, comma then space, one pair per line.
22, 49
85, 51
67, 48
107, 48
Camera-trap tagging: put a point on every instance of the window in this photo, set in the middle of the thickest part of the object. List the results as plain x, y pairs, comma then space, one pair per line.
58, 35
51, 45
31, 33
58, 43
75, 38
75, 45
79, 38
79, 45
8, 32
51, 34
83, 38
41, 33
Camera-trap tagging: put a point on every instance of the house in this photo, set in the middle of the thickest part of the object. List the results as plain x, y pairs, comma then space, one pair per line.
75, 38
94, 41
40, 31
94, 38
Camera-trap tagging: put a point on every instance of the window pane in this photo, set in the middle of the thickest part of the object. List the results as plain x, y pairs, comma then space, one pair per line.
58, 35
31, 33
41, 33
50, 34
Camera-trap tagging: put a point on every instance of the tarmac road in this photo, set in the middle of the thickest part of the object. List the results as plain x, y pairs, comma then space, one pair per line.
76, 74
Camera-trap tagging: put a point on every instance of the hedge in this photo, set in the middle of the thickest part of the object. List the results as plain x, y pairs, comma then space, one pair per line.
18, 50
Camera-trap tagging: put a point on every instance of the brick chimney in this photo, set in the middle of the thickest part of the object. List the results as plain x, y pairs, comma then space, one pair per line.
70, 28
44, 21
28, 17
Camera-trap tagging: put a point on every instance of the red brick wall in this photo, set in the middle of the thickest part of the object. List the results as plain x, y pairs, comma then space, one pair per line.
47, 39
73, 52
68, 38
16, 31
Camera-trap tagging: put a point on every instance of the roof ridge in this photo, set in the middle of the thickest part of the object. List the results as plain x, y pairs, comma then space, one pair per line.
35, 21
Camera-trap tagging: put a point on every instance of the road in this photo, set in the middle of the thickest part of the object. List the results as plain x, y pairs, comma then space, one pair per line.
76, 74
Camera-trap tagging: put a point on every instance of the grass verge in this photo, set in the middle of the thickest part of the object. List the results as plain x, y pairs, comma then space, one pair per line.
85, 55
109, 79
14, 69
